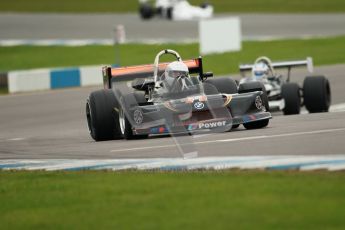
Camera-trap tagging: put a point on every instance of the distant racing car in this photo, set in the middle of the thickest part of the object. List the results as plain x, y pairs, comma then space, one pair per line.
286, 96
174, 9
164, 98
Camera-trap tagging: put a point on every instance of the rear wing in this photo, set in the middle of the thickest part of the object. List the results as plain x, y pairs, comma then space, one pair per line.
308, 62
144, 71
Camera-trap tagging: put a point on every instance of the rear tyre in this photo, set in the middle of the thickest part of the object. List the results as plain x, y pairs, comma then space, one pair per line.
253, 86
224, 85
102, 118
292, 97
125, 121
170, 13
210, 89
256, 124
317, 94
146, 11
204, 5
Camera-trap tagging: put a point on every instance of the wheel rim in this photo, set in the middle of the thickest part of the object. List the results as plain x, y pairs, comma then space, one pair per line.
328, 96
122, 121
88, 117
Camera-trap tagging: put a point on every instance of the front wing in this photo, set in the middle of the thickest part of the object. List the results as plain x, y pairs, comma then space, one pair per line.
199, 113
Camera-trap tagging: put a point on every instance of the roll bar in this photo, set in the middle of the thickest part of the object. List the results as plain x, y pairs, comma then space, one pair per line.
156, 62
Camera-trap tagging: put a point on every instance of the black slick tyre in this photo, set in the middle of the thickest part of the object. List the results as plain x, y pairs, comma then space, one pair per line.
317, 94
101, 115
256, 124
146, 11
235, 126
292, 97
169, 13
253, 86
209, 89
223, 85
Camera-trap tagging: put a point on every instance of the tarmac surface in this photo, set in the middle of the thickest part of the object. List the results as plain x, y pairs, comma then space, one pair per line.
52, 125
101, 26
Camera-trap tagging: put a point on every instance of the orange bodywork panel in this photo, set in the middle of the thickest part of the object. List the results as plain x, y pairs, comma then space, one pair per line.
142, 71
192, 64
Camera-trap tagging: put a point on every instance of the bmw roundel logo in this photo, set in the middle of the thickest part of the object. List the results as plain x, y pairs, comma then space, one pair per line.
199, 105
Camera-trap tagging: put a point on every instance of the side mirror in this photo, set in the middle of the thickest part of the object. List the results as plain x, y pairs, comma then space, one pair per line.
207, 75
142, 84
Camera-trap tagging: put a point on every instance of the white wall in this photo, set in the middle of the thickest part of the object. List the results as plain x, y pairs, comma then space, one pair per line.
29, 80
91, 75
41, 79
220, 35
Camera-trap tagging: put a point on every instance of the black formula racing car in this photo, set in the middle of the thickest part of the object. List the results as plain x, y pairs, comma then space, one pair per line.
168, 98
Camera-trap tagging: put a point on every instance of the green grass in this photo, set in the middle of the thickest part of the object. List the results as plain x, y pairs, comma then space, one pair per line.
123, 6
323, 50
154, 200
3, 90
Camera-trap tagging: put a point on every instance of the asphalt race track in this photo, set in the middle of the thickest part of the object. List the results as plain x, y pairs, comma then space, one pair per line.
52, 124
101, 26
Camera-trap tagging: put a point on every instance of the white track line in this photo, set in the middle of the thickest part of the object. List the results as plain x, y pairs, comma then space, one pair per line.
337, 108
269, 162
16, 139
236, 139
332, 109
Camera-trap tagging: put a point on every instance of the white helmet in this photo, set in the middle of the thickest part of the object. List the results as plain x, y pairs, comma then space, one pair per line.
260, 70
175, 71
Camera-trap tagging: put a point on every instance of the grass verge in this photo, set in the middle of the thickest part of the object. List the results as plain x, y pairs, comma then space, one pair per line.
189, 200
323, 50
122, 6
3, 90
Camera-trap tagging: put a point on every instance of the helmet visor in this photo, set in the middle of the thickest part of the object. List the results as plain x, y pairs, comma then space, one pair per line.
259, 74
177, 74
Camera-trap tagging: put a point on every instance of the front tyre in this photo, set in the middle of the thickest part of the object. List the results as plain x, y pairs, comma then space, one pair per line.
235, 126
317, 94
292, 97
253, 86
256, 124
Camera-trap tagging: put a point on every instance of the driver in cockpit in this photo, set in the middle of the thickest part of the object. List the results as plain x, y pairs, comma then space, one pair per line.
260, 71
176, 77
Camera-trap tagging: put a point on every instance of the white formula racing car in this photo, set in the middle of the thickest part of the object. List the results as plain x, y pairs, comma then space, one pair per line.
286, 96
174, 10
